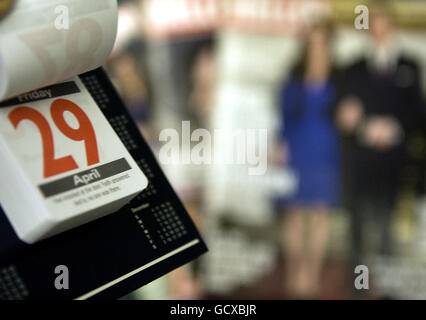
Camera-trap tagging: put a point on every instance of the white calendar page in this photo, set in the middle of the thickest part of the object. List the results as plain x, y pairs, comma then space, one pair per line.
43, 42
62, 163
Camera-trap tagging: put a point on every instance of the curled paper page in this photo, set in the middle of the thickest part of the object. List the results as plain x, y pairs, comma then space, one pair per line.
46, 41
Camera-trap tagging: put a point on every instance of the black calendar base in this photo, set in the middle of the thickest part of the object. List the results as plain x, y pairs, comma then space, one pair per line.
112, 256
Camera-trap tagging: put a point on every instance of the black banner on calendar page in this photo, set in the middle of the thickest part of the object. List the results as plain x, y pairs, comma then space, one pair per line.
50, 92
85, 178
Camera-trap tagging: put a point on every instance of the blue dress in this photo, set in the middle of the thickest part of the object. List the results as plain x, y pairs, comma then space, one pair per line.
312, 140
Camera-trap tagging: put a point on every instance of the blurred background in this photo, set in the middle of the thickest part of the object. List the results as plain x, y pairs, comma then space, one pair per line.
345, 113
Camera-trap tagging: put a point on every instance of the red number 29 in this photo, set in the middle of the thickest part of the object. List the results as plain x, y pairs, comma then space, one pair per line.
85, 133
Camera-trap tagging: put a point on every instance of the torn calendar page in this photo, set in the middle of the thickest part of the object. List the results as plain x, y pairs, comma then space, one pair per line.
46, 41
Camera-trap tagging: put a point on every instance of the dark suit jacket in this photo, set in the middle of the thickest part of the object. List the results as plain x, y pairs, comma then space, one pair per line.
396, 93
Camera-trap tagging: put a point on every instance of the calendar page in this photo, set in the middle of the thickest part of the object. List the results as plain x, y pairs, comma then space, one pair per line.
60, 151
46, 41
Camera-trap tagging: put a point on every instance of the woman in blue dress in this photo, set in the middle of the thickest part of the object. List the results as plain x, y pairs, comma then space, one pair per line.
310, 142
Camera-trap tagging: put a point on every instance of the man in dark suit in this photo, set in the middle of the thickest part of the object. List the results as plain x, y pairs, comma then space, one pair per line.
379, 104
